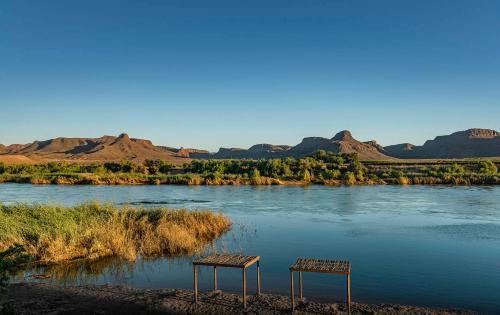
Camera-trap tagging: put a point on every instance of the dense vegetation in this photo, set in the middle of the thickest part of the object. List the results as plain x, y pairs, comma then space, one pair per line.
320, 168
52, 234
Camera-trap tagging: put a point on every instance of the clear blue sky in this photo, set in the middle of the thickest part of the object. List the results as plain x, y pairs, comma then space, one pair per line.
234, 73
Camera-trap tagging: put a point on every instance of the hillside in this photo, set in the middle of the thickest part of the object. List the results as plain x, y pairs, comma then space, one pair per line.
472, 143
463, 144
106, 148
342, 142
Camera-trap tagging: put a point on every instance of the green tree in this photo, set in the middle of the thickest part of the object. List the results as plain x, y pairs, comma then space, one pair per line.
55, 167
153, 166
113, 167
128, 166
331, 174
349, 178
356, 167
165, 168
305, 175
488, 167
456, 169
255, 174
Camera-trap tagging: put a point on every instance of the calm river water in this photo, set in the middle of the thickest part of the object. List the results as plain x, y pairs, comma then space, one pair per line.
424, 245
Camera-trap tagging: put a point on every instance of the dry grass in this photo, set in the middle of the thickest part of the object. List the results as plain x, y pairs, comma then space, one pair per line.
15, 159
54, 234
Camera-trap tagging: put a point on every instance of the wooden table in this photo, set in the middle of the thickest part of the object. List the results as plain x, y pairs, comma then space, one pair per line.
322, 266
230, 261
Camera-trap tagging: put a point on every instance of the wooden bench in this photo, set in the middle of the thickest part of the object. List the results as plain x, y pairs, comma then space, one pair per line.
322, 266
230, 261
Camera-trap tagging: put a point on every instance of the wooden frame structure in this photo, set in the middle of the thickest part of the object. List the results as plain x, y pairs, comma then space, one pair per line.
229, 261
340, 267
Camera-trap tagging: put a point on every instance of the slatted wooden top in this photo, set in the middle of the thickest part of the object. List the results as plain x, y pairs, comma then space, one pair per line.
236, 261
322, 265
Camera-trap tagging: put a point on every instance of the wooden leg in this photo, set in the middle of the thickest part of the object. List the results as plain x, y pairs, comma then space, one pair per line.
244, 288
349, 293
215, 278
195, 285
300, 287
292, 291
258, 278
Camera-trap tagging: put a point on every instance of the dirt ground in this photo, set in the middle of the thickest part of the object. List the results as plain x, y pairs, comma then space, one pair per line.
35, 298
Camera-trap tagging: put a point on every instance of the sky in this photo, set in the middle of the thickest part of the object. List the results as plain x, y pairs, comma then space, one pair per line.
206, 74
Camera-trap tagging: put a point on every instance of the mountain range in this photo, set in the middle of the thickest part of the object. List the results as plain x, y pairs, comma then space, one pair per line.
472, 143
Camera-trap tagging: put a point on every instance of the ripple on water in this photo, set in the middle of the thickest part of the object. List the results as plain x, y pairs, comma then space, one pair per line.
469, 231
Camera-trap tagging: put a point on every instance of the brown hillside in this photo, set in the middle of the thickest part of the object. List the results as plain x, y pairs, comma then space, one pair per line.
107, 148
15, 159
462, 144
342, 142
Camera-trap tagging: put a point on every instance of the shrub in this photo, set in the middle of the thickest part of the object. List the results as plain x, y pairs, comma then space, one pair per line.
255, 174
488, 167
349, 178
113, 167
305, 175
331, 174
128, 167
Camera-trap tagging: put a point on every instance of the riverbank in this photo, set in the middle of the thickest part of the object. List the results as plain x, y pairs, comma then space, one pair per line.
36, 298
53, 234
197, 180
324, 168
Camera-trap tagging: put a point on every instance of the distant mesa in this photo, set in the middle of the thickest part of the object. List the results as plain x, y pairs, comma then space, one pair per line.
463, 144
342, 142
472, 143
186, 152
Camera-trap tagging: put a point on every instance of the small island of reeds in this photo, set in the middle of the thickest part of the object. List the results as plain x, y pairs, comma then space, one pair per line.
54, 234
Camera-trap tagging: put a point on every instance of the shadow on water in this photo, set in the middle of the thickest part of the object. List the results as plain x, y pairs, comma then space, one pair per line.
163, 202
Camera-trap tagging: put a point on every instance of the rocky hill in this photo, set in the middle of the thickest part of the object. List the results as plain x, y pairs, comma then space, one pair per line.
470, 143
342, 142
107, 148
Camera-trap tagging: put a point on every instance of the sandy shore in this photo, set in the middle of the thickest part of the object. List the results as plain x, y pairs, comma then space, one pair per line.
32, 298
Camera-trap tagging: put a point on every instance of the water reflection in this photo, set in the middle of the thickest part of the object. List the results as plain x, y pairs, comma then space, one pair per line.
426, 245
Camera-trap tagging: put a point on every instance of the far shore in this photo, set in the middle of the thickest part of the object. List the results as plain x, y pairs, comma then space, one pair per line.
39, 298
321, 167
195, 180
